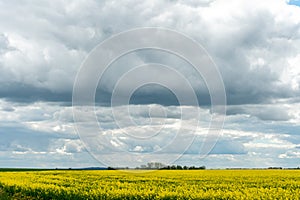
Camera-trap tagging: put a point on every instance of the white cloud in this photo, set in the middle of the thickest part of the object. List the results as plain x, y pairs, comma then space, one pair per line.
57, 138
290, 154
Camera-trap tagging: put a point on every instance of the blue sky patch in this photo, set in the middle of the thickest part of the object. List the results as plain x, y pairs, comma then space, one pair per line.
294, 2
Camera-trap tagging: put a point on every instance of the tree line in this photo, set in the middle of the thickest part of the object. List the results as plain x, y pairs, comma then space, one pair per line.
179, 167
157, 165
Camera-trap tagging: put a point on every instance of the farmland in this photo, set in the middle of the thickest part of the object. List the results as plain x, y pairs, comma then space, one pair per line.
162, 184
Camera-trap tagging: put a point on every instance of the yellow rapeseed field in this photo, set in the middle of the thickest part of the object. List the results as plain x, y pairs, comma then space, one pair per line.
162, 184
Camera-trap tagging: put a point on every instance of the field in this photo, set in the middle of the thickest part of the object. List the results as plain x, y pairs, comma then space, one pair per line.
178, 184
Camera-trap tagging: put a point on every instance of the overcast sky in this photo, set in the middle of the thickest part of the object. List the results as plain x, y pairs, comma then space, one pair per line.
255, 44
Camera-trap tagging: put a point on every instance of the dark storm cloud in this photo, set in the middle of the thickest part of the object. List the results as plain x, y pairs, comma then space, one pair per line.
19, 92
41, 52
159, 95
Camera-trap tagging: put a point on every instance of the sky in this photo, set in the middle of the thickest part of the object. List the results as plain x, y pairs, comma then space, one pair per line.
255, 45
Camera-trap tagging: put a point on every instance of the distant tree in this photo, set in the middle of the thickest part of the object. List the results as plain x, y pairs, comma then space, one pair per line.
178, 167
143, 166
173, 167
275, 168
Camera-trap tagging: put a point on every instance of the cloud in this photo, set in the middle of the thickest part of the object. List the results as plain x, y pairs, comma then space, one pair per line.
41, 52
290, 154
47, 129
255, 45
267, 112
